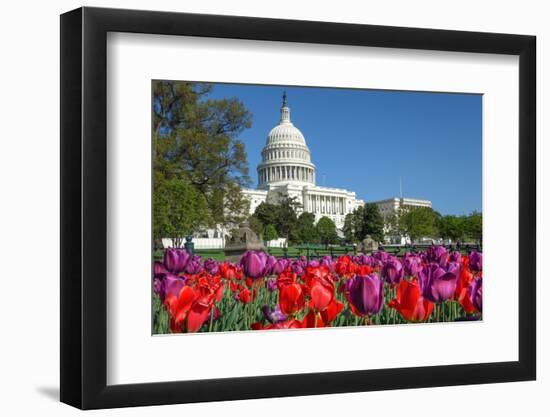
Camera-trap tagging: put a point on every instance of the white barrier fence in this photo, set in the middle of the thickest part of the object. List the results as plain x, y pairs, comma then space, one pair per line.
219, 243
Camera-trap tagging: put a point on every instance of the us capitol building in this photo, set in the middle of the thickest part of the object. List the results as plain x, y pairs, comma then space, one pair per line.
287, 171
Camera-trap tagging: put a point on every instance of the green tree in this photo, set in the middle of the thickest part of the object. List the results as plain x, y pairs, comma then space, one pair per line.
286, 218
373, 223
270, 233
178, 210
474, 226
391, 224
326, 230
452, 227
358, 220
196, 139
267, 213
256, 225
417, 222
348, 230
305, 229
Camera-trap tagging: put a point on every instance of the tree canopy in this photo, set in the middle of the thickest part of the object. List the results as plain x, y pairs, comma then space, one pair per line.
306, 232
281, 215
195, 139
364, 220
373, 223
418, 222
178, 209
461, 228
270, 233
326, 229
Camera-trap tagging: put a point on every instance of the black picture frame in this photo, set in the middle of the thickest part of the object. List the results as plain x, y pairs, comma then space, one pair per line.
84, 207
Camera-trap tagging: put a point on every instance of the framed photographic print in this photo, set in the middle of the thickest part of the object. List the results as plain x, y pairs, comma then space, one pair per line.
321, 207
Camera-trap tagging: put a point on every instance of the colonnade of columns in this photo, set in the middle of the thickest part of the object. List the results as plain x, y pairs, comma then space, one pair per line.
287, 172
325, 204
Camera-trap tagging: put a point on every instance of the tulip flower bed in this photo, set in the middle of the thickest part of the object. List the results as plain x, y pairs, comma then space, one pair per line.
262, 292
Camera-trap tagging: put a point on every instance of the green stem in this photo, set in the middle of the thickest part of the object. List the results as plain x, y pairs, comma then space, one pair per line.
211, 318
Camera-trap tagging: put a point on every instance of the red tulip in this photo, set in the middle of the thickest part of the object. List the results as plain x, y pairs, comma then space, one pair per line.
464, 282
291, 298
178, 307
289, 324
364, 269
312, 320
331, 312
320, 286
244, 296
230, 271
286, 278
345, 266
198, 314
410, 303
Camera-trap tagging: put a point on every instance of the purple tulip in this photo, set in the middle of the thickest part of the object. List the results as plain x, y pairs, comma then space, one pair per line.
392, 271
269, 264
271, 285
159, 269
158, 287
381, 256
253, 264
313, 263
194, 265
274, 315
172, 285
437, 254
469, 318
175, 259
455, 257
412, 265
279, 266
212, 266
328, 262
475, 292
437, 284
297, 267
363, 259
476, 261
366, 294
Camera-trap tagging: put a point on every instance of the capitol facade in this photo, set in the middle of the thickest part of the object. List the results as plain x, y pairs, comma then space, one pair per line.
287, 171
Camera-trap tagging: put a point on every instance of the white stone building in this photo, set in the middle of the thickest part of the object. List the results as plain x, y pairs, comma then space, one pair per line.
287, 171
391, 206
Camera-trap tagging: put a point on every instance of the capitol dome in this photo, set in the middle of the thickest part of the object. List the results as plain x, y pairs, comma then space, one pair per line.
286, 157
285, 131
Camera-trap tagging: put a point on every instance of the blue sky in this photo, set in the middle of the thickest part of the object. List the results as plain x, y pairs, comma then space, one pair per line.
365, 140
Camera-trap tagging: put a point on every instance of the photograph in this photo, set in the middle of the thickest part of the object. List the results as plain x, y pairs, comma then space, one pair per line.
297, 207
